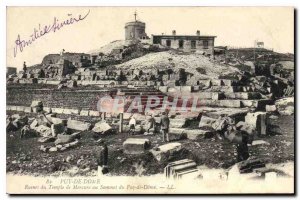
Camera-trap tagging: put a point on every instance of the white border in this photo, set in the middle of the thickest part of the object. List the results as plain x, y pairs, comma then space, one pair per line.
3, 4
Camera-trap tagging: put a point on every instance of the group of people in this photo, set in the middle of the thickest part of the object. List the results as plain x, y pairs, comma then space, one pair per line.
151, 125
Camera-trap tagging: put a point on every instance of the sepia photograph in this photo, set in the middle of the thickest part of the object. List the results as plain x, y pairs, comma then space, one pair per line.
150, 100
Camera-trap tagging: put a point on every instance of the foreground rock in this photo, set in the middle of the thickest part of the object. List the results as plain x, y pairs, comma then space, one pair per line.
166, 151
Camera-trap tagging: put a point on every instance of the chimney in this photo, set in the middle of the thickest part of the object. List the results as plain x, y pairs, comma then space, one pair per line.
198, 33
174, 32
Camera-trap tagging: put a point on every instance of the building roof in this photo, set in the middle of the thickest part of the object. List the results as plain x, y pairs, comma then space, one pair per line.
185, 36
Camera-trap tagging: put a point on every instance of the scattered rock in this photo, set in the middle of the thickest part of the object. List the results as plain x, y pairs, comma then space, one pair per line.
53, 149
259, 142
62, 139
46, 139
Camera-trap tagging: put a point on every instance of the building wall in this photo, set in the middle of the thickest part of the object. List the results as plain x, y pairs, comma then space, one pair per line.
188, 47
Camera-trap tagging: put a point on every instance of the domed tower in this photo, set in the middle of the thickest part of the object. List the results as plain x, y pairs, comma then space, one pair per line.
135, 29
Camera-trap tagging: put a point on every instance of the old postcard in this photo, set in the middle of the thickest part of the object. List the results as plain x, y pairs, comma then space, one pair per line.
150, 100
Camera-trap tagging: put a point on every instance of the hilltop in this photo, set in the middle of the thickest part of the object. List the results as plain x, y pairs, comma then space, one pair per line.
193, 63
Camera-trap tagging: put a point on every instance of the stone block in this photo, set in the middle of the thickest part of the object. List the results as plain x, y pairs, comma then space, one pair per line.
258, 121
84, 113
163, 89
37, 109
57, 110
166, 151
227, 82
177, 123
34, 124
43, 131
56, 120
102, 127
63, 139
57, 129
93, 113
136, 145
47, 109
70, 111
28, 109
78, 125
186, 88
285, 106
215, 96
271, 108
206, 83
216, 82
230, 103
198, 134
206, 122
20, 108
46, 139
13, 108
36, 104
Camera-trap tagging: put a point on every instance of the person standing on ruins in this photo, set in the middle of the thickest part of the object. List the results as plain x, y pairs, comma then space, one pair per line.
132, 124
165, 122
24, 67
103, 159
150, 123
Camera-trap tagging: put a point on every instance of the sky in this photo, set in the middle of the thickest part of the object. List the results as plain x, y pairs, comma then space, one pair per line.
233, 26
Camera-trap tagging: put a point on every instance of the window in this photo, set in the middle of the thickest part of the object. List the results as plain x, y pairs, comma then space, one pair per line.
168, 43
180, 44
193, 44
205, 44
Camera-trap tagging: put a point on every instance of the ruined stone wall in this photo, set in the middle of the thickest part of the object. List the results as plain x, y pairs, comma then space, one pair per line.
54, 98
